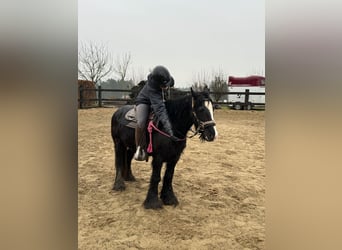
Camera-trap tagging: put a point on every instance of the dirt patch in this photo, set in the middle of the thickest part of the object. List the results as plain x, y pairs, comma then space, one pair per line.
220, 187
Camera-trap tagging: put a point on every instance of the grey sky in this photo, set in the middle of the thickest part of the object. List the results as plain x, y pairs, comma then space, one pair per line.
188, 37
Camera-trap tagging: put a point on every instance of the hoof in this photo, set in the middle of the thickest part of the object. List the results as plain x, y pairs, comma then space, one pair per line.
169, 200
155, 204
119, 187
130, 178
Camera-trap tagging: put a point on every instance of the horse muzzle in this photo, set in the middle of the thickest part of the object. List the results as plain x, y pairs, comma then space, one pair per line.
208, 131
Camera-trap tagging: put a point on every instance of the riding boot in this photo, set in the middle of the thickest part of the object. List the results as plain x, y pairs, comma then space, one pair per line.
140, 142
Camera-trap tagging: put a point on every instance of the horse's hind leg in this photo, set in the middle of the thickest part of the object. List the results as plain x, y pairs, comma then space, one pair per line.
128, 176
167, 195
152, 201
119, 184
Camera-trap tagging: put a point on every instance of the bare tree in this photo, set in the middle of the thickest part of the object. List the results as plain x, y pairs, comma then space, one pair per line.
201, 79
138, 75
94, 62
257, 71
121, 65
218, 84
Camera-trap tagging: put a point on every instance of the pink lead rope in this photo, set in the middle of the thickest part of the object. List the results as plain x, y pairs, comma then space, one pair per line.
150, 127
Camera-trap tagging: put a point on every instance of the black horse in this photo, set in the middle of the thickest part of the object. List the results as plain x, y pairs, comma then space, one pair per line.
195, 109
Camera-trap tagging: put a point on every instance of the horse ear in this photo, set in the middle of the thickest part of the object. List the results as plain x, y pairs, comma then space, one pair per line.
206, 89
193, 96
193, 92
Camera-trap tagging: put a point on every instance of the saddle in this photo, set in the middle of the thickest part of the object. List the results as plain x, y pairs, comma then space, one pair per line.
129, 119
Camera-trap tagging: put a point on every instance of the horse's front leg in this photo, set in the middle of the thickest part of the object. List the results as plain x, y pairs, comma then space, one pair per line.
152, 201
167, 195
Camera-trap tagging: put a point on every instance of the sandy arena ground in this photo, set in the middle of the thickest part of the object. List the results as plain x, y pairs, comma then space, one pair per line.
220, 187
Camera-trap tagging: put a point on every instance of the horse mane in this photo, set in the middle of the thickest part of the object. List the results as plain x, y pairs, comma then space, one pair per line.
179, 112
177, 108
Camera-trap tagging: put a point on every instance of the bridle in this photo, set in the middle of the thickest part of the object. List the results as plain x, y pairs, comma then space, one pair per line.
201, 124
200, 128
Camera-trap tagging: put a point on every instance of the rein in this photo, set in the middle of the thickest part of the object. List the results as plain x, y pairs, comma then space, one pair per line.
201, 126
151, 126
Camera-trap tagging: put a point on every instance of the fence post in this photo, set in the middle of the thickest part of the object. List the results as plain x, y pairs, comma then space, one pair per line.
81, 96
100, 96
246, 97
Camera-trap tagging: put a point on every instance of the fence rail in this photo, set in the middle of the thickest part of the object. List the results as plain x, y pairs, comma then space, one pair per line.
100, 101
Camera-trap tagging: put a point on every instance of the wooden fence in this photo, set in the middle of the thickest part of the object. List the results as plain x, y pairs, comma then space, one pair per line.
101, 102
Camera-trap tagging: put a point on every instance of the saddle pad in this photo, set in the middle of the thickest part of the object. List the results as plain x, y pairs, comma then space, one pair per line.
124, 119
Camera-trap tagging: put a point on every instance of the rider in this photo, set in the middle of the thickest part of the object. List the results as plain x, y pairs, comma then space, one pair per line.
152, 95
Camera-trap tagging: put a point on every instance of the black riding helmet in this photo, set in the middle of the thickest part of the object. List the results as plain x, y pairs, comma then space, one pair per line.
161, 76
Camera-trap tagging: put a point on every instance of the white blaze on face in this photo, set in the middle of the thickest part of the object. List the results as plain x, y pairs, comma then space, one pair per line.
209, 106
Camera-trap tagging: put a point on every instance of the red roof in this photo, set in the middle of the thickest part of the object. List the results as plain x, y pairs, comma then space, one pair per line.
248, 81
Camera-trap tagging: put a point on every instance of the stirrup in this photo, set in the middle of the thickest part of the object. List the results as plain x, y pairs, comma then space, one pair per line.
140, 154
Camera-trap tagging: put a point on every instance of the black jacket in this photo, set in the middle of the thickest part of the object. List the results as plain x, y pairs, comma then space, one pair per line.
152, 94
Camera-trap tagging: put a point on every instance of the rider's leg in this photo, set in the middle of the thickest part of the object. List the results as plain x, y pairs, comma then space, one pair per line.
141, 114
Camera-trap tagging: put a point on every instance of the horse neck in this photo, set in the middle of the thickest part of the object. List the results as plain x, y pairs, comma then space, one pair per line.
180, 114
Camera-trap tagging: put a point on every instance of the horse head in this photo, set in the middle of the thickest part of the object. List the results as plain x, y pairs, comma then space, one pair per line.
203, 114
